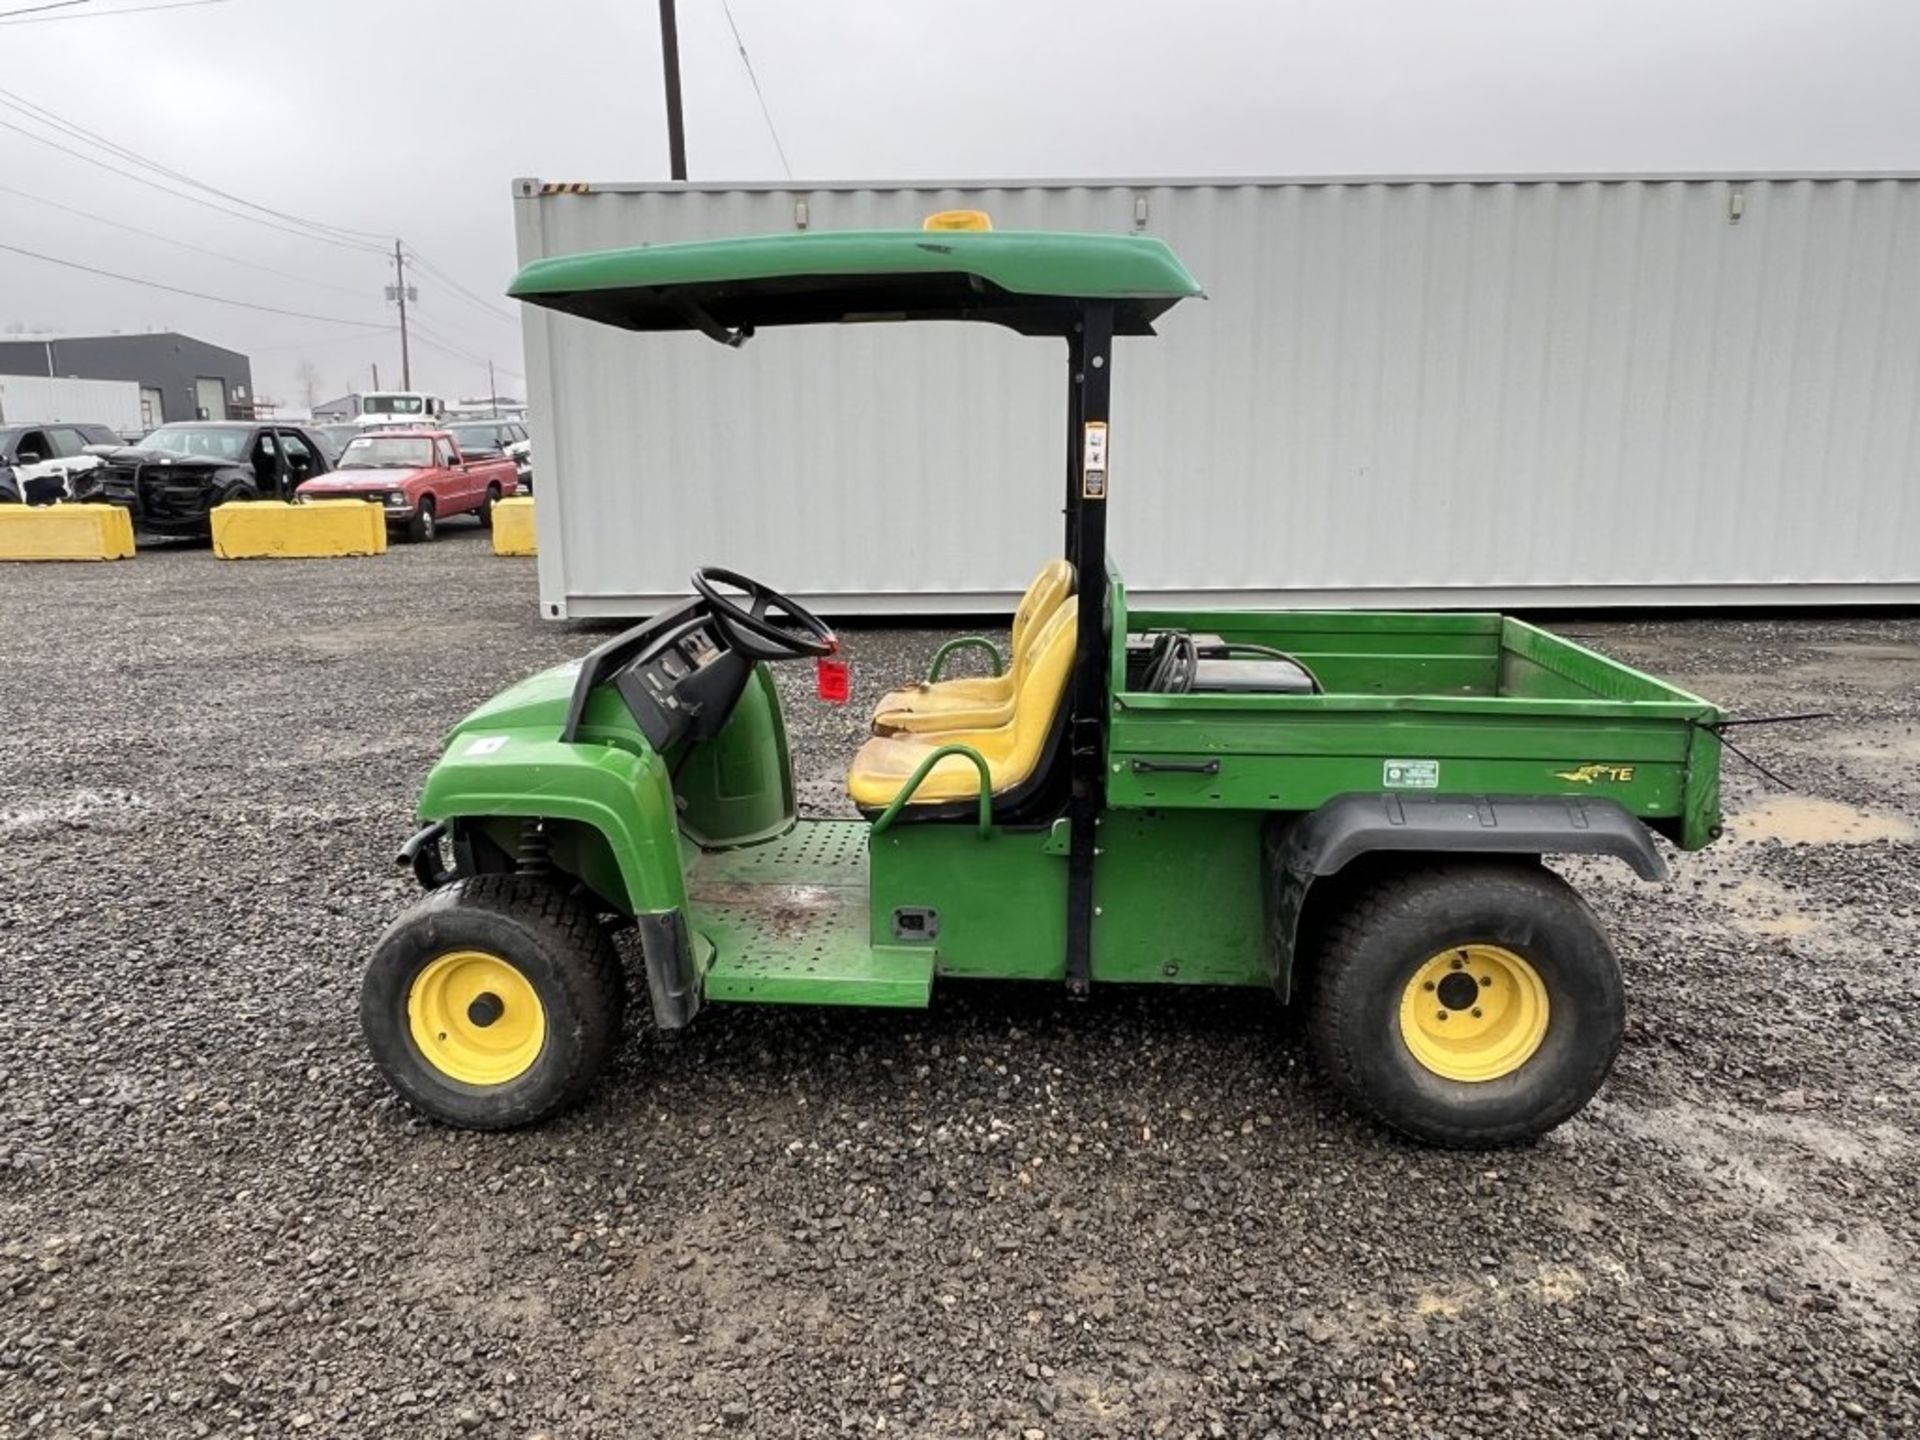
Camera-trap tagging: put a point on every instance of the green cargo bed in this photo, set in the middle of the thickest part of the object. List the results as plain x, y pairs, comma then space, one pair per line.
1471, 704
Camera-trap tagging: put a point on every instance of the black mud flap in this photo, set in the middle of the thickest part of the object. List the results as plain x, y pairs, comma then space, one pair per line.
1300, 850
672, 983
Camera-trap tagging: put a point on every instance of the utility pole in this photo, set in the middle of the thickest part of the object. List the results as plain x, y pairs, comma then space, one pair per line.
493, 399
402, 292
670, 65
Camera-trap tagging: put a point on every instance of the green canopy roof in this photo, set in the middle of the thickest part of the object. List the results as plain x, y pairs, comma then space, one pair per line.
1031, 281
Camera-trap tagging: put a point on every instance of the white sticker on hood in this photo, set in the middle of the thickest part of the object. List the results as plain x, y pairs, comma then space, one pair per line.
485, 745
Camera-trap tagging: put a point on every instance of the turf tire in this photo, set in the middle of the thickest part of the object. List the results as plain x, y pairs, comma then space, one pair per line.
1383, 933
555, 942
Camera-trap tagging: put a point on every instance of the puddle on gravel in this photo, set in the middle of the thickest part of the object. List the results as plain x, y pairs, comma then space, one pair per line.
1858, 669
1809, 820
1869, 651
1760, 1160
1760, 907
76, 807
1890, 743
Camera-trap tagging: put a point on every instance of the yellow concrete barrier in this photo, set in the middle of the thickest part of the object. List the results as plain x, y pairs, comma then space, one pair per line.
513, 526
317, 529
65, 532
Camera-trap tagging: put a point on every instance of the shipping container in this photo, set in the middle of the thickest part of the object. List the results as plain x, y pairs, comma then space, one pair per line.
1453, 391
52, 399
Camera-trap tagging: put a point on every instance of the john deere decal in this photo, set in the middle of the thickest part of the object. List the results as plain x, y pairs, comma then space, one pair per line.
1588, 774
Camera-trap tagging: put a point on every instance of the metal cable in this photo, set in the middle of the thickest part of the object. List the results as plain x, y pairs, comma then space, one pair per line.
754, 79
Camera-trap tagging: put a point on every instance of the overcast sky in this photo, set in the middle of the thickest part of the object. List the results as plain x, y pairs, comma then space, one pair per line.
410, 117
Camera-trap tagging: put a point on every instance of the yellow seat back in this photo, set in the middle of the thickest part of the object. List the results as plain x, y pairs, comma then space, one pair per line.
1052, 585
1013, 750
1042, 690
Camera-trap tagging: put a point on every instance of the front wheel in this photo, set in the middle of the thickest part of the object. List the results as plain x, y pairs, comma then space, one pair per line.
420, 528
494, 1002
1467, 1005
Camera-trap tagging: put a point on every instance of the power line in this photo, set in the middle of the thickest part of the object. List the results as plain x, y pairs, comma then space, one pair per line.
432, 344
440, 342
36, 9
767, 114
432, 269
437, 342
183, 244
354, 338
192, 199
177, 290
20, 104
108, 14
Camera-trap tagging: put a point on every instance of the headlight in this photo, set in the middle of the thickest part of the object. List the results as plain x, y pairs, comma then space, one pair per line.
398, 497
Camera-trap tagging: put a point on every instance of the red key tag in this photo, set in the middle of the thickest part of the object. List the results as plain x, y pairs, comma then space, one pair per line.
833, 677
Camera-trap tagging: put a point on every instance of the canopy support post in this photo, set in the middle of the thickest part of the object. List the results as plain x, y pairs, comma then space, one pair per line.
1090, 374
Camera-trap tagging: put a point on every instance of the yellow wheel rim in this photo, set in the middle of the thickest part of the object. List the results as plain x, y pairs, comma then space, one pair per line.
1474, 1012
475, 1018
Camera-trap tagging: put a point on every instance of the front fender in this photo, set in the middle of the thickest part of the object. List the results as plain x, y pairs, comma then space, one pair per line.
625, 796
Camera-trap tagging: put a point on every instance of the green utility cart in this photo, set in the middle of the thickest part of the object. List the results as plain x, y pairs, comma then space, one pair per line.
1346, 810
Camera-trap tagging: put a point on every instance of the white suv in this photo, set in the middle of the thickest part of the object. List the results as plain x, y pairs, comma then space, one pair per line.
44, 458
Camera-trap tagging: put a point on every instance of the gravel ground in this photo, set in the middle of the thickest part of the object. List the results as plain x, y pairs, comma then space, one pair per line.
1009, 1216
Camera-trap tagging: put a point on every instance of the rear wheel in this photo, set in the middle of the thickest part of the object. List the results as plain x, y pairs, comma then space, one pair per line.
486, 507
494, 1002
1467, 1005
420, 528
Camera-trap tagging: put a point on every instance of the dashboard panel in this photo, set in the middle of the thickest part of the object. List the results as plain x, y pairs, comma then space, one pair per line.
684, 683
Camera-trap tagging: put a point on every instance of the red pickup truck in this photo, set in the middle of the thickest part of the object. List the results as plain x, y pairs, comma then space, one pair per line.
419, 477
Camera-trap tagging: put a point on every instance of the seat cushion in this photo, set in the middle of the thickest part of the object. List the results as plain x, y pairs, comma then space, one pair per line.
969, 705
1012, 751
886, 762
971, 691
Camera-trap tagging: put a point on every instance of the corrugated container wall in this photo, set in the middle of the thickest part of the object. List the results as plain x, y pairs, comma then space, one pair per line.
1422, 392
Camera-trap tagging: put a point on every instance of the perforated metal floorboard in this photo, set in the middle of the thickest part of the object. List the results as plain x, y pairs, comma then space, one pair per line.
788, 923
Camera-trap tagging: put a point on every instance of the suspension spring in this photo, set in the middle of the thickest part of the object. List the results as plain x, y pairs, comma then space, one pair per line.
534, 856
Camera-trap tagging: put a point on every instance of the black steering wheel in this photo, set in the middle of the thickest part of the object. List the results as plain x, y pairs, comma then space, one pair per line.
769, 626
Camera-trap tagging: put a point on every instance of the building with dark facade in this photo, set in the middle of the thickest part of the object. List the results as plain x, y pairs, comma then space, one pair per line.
180, 378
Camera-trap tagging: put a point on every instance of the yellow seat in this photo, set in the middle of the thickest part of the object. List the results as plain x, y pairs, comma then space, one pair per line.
978, 702
1013, 751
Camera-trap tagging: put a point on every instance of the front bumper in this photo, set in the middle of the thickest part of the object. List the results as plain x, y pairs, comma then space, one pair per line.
163, 500
382, 498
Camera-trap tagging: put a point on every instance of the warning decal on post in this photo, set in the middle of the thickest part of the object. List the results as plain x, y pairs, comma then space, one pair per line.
1093, 462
